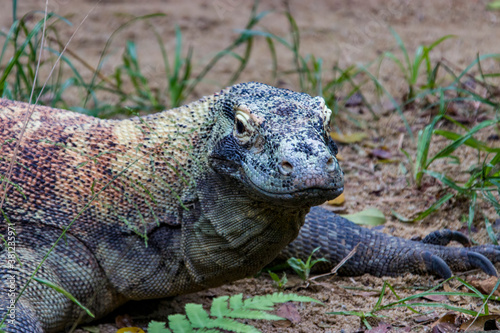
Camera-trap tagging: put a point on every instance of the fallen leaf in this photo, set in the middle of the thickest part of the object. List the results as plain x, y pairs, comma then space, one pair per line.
425, 319
486, 286
348, 138
124, 321
444, 328
453, 298
289, 311
381, 154
447, 323
369, 216
482, 323
381, 328
436, 298
92, 329
365, 293
337, 201
354, 100
282, 323
130, 330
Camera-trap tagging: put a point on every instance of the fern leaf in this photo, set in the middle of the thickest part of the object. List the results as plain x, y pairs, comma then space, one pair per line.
222, 310
252, 314
231, 325
196, 315
179, 324
236, 301
157, 327
219, 307
266, 302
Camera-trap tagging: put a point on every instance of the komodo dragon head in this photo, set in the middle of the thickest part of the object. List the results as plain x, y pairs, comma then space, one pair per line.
267, 159
276, 142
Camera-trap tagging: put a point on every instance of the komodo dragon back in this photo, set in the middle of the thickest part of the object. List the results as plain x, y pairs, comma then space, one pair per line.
180, 201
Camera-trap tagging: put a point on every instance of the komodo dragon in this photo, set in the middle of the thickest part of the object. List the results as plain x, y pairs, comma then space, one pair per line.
180, 201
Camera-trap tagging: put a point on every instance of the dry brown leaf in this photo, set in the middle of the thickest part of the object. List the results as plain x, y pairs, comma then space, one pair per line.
486, 286
337, 201
449, 322
282, 323
348, 138
365, 293
381, 328
444, 328
124, 321
446, 323
425, 319
130, 330
381, 154
483, 323
452, 298
289, 311
436, 298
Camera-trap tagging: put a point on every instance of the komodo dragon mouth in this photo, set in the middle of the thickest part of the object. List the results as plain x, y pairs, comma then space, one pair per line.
319, 191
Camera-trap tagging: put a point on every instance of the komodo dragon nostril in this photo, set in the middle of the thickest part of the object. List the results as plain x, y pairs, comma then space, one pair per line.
330, 164
286, 168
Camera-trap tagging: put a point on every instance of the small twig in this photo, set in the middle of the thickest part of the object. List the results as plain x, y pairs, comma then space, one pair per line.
340, 264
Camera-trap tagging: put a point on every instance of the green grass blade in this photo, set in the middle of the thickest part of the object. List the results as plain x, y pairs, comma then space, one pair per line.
61, 290
434, 206
458, 142
402, 47
479, 145
393, 101
445, 180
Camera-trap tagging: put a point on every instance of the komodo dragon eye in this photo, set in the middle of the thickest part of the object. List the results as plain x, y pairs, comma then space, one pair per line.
242, 125
240, 128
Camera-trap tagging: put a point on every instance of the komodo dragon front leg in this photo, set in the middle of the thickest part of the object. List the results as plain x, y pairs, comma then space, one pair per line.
180, 201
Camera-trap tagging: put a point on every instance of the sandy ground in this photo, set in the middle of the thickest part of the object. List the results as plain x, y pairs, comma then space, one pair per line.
340, 32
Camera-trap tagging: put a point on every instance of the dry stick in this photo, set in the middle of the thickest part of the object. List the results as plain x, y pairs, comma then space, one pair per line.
341, 263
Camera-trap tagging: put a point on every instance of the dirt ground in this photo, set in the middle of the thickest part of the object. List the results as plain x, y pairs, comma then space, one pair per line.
340, 32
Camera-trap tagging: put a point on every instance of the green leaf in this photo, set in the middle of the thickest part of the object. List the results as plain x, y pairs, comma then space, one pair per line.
219, 307
460, 141
434, 206
490, 231
369, 216
252, 314
231, 325
157, 327
480, 145
236, 301
298, 266
426, 212
445, 180
179, 324
493, 5
196, 315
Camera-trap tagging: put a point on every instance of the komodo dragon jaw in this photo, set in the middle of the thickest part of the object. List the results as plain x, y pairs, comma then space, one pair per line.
277, 143
217, 188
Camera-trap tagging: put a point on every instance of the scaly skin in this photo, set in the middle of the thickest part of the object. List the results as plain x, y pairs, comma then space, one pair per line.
180, 201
